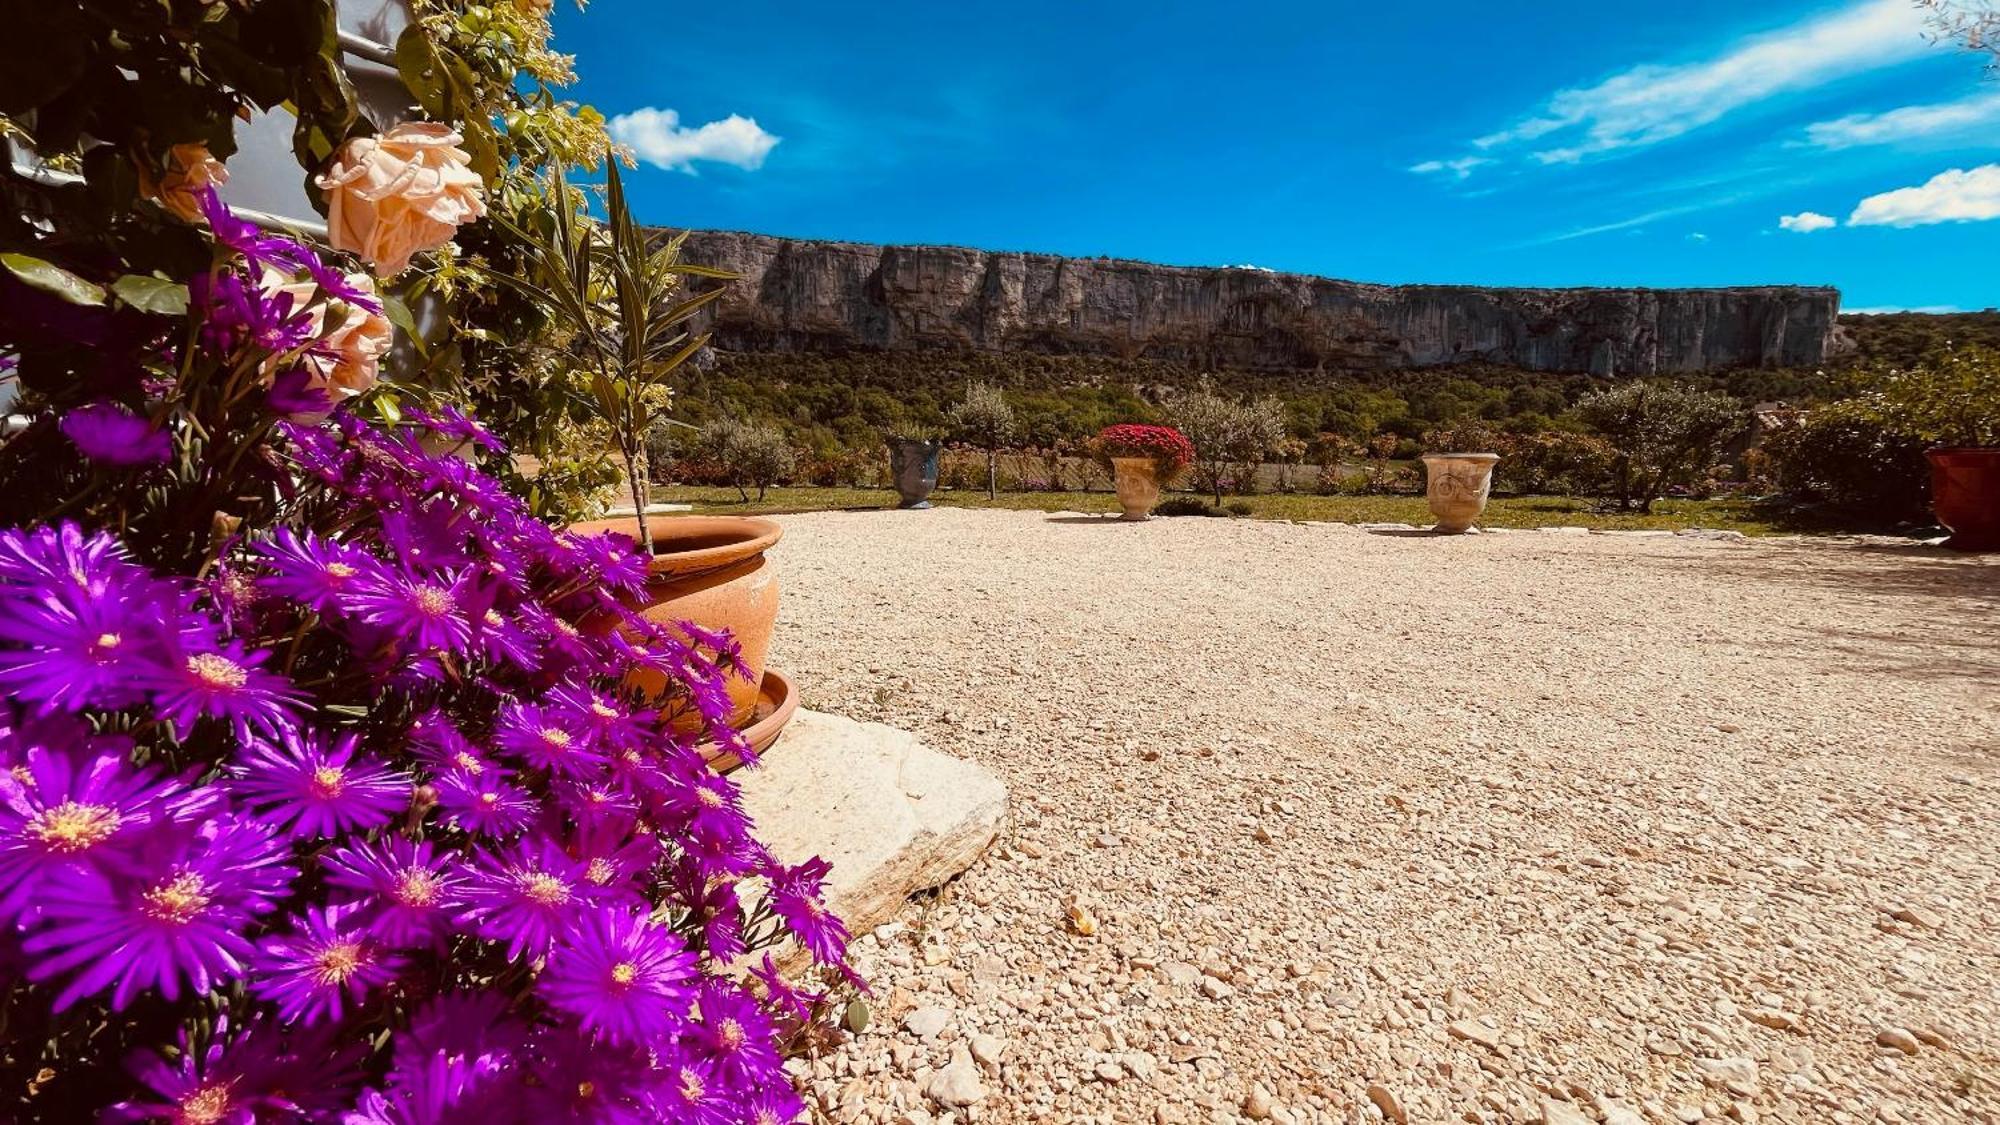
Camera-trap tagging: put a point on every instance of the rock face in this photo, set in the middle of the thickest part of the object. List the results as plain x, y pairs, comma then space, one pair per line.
799, 296
892, 815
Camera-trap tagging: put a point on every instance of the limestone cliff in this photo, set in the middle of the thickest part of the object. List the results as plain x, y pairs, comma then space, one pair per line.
843, 296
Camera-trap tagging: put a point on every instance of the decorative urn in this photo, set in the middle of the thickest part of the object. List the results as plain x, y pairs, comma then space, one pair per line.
1457, 484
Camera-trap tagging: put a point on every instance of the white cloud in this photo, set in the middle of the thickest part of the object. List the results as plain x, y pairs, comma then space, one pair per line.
1652, 103
1958, 195
1459, 168
1697, 236
658, 137
1806, 222
1910, 122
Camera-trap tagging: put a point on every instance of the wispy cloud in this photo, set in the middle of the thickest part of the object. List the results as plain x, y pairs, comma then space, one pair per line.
1958, 195
1458, 169
1909, 123
1648, 104
1806, 222
657, 137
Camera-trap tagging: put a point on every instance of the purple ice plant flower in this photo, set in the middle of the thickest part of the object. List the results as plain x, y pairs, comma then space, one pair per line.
798, 897
547, 739
688, 1090
603, 719
429, 614
484, 802
310, 790
109, 434
237, 313
226, 682
326, 962
736, 1037
312, 572
502, 641
621, 976
453, 424
580, 1078
776, 1104
526, 896
80, 625
175, 918
409, 887
71, 802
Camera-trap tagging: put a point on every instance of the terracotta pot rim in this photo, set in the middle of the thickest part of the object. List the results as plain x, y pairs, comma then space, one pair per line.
1461, 457
751, 536
783, 695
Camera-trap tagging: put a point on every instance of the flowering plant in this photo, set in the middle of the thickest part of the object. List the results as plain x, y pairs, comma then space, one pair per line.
1169, 448
323, 791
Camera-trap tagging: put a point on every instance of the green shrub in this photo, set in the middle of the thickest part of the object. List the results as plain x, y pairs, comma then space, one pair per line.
748, 453
1866, 453
1663, 436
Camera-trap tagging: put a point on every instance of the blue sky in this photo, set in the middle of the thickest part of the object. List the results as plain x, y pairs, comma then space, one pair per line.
1555, 143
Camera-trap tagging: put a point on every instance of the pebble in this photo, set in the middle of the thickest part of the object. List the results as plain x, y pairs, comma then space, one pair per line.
1897, 1039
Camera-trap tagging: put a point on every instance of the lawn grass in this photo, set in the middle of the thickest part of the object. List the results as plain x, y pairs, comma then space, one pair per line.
1746, 516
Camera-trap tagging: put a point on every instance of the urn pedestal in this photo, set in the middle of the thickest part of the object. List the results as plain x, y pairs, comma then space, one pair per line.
1965, 494
1457, 484
914, 466
1138, 482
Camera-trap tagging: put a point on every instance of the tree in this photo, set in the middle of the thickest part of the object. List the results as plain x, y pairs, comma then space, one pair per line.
1974, 24
984, 419
752, 452
1664, 435
1226, 431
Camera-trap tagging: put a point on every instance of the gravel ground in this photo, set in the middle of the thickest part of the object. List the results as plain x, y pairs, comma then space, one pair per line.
1504, 828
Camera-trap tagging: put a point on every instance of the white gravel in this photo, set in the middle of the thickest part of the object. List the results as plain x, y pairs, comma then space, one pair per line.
1507, 828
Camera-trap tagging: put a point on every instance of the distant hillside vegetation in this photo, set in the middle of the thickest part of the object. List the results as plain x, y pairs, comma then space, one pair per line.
1900, 339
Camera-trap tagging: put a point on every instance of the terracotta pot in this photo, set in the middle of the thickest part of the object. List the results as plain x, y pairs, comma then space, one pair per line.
1457, 484
1965, 493
777, 702
914, 465
713, 571
1138, 483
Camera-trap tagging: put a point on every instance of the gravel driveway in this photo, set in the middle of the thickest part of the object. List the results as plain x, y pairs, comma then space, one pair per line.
1503, 828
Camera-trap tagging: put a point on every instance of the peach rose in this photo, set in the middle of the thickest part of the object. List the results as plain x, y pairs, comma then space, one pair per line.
400, 193
189, 169
345, 359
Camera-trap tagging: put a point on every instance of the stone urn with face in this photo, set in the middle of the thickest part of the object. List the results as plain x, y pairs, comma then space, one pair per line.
1457, 484
913, 465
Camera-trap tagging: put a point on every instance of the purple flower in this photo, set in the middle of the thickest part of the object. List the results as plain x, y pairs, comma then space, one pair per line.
775, 1104
587, 1080
602, 718
175, 917
237, 313
688, 1092
781, 996
621, 976
313, 572
613, 852
503, 641
429, 614
409, 888
326, 962
449, 422
458, 1060
735, 1036
547, 740
225, 1084
309, 791
526, 896
226, 682
81, 625
248, 239
484, 802
797, 895
109, 434
73, 802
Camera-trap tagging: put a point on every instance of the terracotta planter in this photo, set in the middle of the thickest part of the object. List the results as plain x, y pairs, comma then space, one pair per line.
1965, 493
713, 571
1138, 483
1457, 484
777, 702
914, 466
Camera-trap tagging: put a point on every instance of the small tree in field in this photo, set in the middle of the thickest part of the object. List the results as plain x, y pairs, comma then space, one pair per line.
984, 419
753, 453
1664, 435
1227, 432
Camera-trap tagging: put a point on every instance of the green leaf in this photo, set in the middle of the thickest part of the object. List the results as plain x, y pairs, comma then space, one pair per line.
52, 278
855, 1019
152, 294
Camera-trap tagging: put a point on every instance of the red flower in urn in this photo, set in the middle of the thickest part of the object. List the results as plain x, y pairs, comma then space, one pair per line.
1169, 449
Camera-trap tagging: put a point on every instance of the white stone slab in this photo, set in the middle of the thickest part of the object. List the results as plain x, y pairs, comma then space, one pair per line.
892, 815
